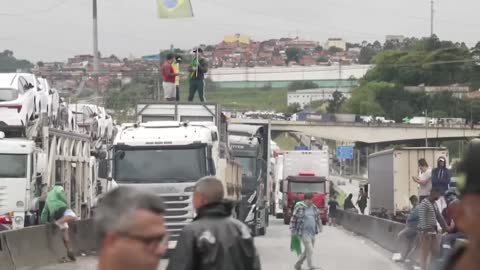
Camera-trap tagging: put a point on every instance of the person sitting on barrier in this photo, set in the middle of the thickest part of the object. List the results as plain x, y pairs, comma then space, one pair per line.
56, 210
362, 200
466, 213
130, 230
348, 204
409, 234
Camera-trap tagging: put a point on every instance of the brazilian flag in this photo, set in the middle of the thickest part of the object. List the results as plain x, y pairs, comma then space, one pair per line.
168, 9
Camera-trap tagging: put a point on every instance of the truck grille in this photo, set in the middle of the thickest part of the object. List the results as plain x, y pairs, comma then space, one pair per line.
177, 214
3, 197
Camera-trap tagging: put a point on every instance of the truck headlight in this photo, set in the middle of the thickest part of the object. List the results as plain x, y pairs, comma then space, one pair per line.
19, 220
20, 204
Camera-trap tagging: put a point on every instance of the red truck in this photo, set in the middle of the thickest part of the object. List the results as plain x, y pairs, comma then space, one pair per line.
294, 189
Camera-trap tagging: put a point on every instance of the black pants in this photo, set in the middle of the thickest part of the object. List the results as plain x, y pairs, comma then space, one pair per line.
197, 85
177, 94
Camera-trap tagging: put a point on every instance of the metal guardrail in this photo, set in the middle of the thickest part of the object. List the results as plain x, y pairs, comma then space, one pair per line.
372, 125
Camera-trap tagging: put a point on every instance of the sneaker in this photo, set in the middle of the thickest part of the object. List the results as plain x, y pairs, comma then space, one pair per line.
71, 256
298, 267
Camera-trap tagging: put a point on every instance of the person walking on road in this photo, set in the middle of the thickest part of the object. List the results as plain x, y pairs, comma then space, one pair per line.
169, 77
306, 224
410, 233
427, 227
197, 69
176, 68
424, 179
466, 213
56, 210
348, 204
214, 240
130, 230
362, 201
332, 210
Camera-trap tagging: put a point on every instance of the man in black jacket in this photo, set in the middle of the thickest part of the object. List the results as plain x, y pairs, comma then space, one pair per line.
214, 240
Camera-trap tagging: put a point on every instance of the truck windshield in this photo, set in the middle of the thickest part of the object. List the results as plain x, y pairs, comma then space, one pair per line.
13, 166
301, 187
248, 165
161, 165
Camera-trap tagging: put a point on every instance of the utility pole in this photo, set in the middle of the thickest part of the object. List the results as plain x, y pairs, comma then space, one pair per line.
432, 12
426, 128
95, 46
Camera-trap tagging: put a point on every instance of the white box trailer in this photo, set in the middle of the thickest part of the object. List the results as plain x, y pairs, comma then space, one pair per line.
390, 176
295, 162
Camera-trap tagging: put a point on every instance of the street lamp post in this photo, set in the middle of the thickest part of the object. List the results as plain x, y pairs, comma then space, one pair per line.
426, 128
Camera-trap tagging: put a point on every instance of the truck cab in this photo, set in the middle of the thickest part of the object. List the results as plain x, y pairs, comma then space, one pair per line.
295, 188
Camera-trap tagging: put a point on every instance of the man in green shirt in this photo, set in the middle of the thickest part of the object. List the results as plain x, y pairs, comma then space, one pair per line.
56, 210
197, 71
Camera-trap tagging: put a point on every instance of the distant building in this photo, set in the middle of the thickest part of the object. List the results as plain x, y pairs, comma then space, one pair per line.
305, 97
281, 77
336, 42
237, 38
398, 38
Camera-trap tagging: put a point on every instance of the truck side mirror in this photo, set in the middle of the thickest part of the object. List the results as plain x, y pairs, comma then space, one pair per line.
211, 166
281, 185
284, 186
103, 169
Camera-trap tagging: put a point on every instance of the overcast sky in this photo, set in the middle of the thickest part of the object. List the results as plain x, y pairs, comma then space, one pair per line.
56, 29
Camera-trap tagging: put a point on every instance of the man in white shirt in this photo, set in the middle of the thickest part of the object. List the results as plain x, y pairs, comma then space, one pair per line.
424, 179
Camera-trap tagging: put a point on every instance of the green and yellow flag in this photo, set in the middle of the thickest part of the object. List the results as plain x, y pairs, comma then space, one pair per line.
168, 9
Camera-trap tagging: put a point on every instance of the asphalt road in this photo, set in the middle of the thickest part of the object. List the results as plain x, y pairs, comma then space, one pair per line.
336, 249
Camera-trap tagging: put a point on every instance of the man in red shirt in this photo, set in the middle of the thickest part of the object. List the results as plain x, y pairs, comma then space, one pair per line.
169, 75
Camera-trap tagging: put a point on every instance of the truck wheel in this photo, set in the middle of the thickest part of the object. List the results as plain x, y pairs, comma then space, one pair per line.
262, 231
279, 216
324, 222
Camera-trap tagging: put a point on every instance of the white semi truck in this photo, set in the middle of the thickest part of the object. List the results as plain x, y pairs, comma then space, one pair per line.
30, 165
168, 150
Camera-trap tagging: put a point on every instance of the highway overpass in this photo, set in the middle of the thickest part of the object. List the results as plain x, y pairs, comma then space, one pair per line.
371, 133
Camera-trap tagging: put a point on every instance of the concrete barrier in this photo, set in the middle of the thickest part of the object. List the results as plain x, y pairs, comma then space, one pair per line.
32, 247
6, 262
383, 232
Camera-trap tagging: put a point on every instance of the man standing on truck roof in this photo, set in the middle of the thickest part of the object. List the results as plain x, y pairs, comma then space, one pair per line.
424, 179
466, 213
169, 76
130, 230
306, 224
56, 210
214, 240
176, 68
197, 70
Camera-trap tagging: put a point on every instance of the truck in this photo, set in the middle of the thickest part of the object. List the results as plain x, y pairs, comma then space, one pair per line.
171, 147
278, 199
305, 172
251, 147
390, 181
43, 157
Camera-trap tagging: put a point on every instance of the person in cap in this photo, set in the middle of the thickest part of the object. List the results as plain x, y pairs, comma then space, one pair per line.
176, 68
214, 240
466, 213
56, 211
197, 70
441, 179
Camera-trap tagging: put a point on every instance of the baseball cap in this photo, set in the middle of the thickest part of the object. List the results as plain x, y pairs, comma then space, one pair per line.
470, 180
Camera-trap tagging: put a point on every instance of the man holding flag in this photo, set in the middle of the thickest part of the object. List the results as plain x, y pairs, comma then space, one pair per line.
197, 71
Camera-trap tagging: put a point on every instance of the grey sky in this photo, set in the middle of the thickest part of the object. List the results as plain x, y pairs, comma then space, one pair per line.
56, 29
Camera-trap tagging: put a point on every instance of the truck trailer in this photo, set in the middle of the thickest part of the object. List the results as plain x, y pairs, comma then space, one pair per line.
390, 175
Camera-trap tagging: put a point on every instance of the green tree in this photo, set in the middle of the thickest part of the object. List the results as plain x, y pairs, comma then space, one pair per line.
294, 54
300, 85
8, 62
333, 50
366, 55
336, 103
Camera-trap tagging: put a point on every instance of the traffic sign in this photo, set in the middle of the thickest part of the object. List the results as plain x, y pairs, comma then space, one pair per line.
345, 152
